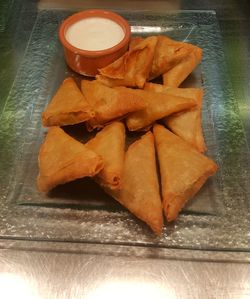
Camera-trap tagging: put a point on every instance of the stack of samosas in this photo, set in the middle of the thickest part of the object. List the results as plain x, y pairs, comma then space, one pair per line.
122, 98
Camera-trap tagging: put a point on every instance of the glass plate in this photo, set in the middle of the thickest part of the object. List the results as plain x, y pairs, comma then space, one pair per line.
216, 219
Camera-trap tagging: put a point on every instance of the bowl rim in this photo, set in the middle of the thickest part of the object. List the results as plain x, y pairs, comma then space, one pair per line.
94, 13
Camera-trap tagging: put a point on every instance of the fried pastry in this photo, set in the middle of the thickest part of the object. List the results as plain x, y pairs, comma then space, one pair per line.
183, 170
67, 107
63, 159
132, 69
186, 124
158, 105
168, 53
109, 103
177, 74
140, 187
109, 143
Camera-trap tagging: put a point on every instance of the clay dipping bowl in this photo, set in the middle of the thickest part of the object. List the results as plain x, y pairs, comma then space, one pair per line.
87, 62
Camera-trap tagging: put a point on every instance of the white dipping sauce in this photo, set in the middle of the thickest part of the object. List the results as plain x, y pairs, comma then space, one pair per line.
94, 34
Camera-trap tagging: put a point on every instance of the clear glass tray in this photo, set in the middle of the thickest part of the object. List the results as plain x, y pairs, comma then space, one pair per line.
216, 219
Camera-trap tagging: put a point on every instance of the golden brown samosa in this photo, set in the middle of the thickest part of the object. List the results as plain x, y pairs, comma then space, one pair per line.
109, 103
158, 105
109, 143
140, 187
132, 69
186, 124
63, 159
183, 170
67, 107
168, 53
177, 74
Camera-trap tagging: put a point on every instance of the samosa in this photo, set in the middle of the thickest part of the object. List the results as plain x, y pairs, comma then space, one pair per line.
183, 170
109, 103
140, 187
109, 143
63, 159
158, 105
186, 124
178, 73
67, 107
132, 69
168, 53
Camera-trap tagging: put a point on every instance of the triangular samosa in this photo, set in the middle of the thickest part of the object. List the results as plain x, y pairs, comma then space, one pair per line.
183, 170
168, 53
63, 159
132, 69
186, 124
176, 75
109, 103
67, 107
140, 187
158, 105
109, 143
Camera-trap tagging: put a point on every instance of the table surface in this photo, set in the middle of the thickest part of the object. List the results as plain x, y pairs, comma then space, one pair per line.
29, 273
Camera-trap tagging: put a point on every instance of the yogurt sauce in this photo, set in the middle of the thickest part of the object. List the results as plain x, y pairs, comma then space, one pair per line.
94, 34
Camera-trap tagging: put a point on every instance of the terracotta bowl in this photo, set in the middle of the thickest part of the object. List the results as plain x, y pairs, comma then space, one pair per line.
87, 62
